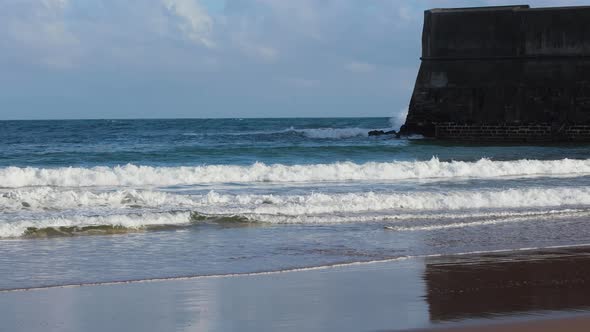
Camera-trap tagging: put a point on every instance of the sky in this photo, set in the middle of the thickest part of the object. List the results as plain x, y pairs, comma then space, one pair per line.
96, 59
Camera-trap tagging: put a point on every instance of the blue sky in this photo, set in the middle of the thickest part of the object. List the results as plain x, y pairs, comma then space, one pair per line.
211, 58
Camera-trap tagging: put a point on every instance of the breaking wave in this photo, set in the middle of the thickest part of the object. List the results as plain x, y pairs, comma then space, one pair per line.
75, 225
313, 133
137, 210
48, 199
334, 133
132, 175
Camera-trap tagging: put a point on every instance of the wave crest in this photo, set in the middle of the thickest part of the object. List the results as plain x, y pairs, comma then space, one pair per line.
333, 133
50, 199
132, 175
313, 133
158, 209
80, 225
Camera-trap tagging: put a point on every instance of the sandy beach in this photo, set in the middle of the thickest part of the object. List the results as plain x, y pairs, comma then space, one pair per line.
266, 165
502, 291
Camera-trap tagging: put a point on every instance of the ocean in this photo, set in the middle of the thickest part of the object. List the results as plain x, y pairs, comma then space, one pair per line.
102, 201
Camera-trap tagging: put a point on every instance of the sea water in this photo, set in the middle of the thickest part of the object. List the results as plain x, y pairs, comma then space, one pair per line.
99, 201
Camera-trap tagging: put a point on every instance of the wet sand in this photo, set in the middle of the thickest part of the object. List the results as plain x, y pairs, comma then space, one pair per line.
572, 324
489, 285
488, 292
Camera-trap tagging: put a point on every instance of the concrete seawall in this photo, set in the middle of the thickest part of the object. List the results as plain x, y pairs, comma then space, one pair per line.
512, 70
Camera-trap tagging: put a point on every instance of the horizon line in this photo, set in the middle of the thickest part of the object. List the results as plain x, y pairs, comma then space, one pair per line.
196, 118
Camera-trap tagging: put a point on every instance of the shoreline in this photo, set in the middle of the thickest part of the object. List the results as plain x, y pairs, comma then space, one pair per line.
336, 265
493, 290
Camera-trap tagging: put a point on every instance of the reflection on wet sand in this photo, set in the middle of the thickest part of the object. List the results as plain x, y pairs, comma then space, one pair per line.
382, 296
487, 285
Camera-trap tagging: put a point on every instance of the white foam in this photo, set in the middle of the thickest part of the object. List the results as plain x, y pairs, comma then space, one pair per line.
130, 221
333, 133
458, 224
52, 207
398, 119
321, 203
314, 133
50, 199
554, 215
132, 175
493, 217
44, 199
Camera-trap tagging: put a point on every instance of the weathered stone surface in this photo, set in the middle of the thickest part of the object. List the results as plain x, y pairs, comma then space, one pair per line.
376, 133
512, 68
381, 132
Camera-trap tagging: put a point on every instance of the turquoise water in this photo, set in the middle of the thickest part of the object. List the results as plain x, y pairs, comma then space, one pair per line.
114, 200
231, 141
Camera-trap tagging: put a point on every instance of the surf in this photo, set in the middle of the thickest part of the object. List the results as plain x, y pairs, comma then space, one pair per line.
51, 211
140, 175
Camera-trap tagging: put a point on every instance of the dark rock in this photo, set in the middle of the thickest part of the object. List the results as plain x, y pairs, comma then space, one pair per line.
381, 132
376, 133
510, 67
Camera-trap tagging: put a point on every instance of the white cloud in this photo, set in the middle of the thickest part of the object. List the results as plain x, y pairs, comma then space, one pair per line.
194, 21
41, 30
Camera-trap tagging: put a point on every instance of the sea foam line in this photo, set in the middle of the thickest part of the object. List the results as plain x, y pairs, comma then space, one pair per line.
114, 223
133, 175
291, 270
555, 215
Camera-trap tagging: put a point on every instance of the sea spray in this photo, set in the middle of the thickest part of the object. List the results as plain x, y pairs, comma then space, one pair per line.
398, 119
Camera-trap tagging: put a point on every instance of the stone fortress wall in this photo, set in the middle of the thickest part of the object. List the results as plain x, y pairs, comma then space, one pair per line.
510, 73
